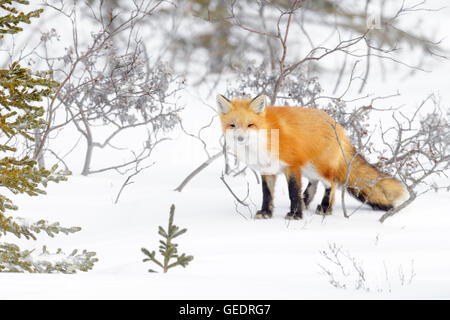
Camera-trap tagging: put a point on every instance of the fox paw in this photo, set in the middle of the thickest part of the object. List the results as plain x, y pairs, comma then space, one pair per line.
261, 214
294, 215
323, 212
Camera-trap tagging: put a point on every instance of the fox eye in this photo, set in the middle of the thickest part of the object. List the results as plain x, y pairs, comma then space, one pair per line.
232, 125
251, 125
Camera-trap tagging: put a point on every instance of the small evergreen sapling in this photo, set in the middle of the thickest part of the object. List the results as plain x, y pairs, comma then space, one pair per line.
168, 249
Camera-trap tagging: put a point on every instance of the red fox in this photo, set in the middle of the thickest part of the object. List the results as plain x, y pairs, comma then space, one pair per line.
301, 141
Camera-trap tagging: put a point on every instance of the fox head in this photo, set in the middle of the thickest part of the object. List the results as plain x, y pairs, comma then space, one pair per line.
242, 119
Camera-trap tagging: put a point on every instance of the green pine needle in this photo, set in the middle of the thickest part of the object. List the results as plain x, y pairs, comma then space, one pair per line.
168, 249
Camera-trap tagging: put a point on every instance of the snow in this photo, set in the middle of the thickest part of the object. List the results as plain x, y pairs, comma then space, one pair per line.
235, 256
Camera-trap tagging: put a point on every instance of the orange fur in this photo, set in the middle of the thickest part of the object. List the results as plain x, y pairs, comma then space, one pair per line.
311, 136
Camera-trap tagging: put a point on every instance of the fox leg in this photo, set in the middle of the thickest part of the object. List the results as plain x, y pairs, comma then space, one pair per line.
268, 185
294, 179
310, 192
326, 206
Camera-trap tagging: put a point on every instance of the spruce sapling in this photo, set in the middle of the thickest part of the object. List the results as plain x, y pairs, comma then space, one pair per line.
168, 249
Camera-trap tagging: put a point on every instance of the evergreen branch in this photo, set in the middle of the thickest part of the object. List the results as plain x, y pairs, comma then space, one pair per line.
168, 249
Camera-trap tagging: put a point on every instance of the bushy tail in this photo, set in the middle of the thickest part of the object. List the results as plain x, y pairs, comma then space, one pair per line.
371, 186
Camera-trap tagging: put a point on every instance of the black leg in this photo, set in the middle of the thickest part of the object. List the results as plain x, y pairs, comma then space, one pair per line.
325, 206
268, 183
310, 192
295, 197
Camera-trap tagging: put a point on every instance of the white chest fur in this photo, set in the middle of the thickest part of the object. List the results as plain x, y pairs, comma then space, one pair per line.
253, 150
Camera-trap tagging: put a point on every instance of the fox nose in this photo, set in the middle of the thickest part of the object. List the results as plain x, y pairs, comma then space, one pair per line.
240, 138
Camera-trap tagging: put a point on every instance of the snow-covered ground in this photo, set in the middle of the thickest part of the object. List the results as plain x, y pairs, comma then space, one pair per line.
235, 256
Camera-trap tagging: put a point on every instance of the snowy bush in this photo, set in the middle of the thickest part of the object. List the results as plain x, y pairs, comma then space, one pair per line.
344, 271
297, 88
110, 85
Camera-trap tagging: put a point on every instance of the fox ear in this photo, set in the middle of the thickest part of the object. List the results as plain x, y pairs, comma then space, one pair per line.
223, 104
258, 104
